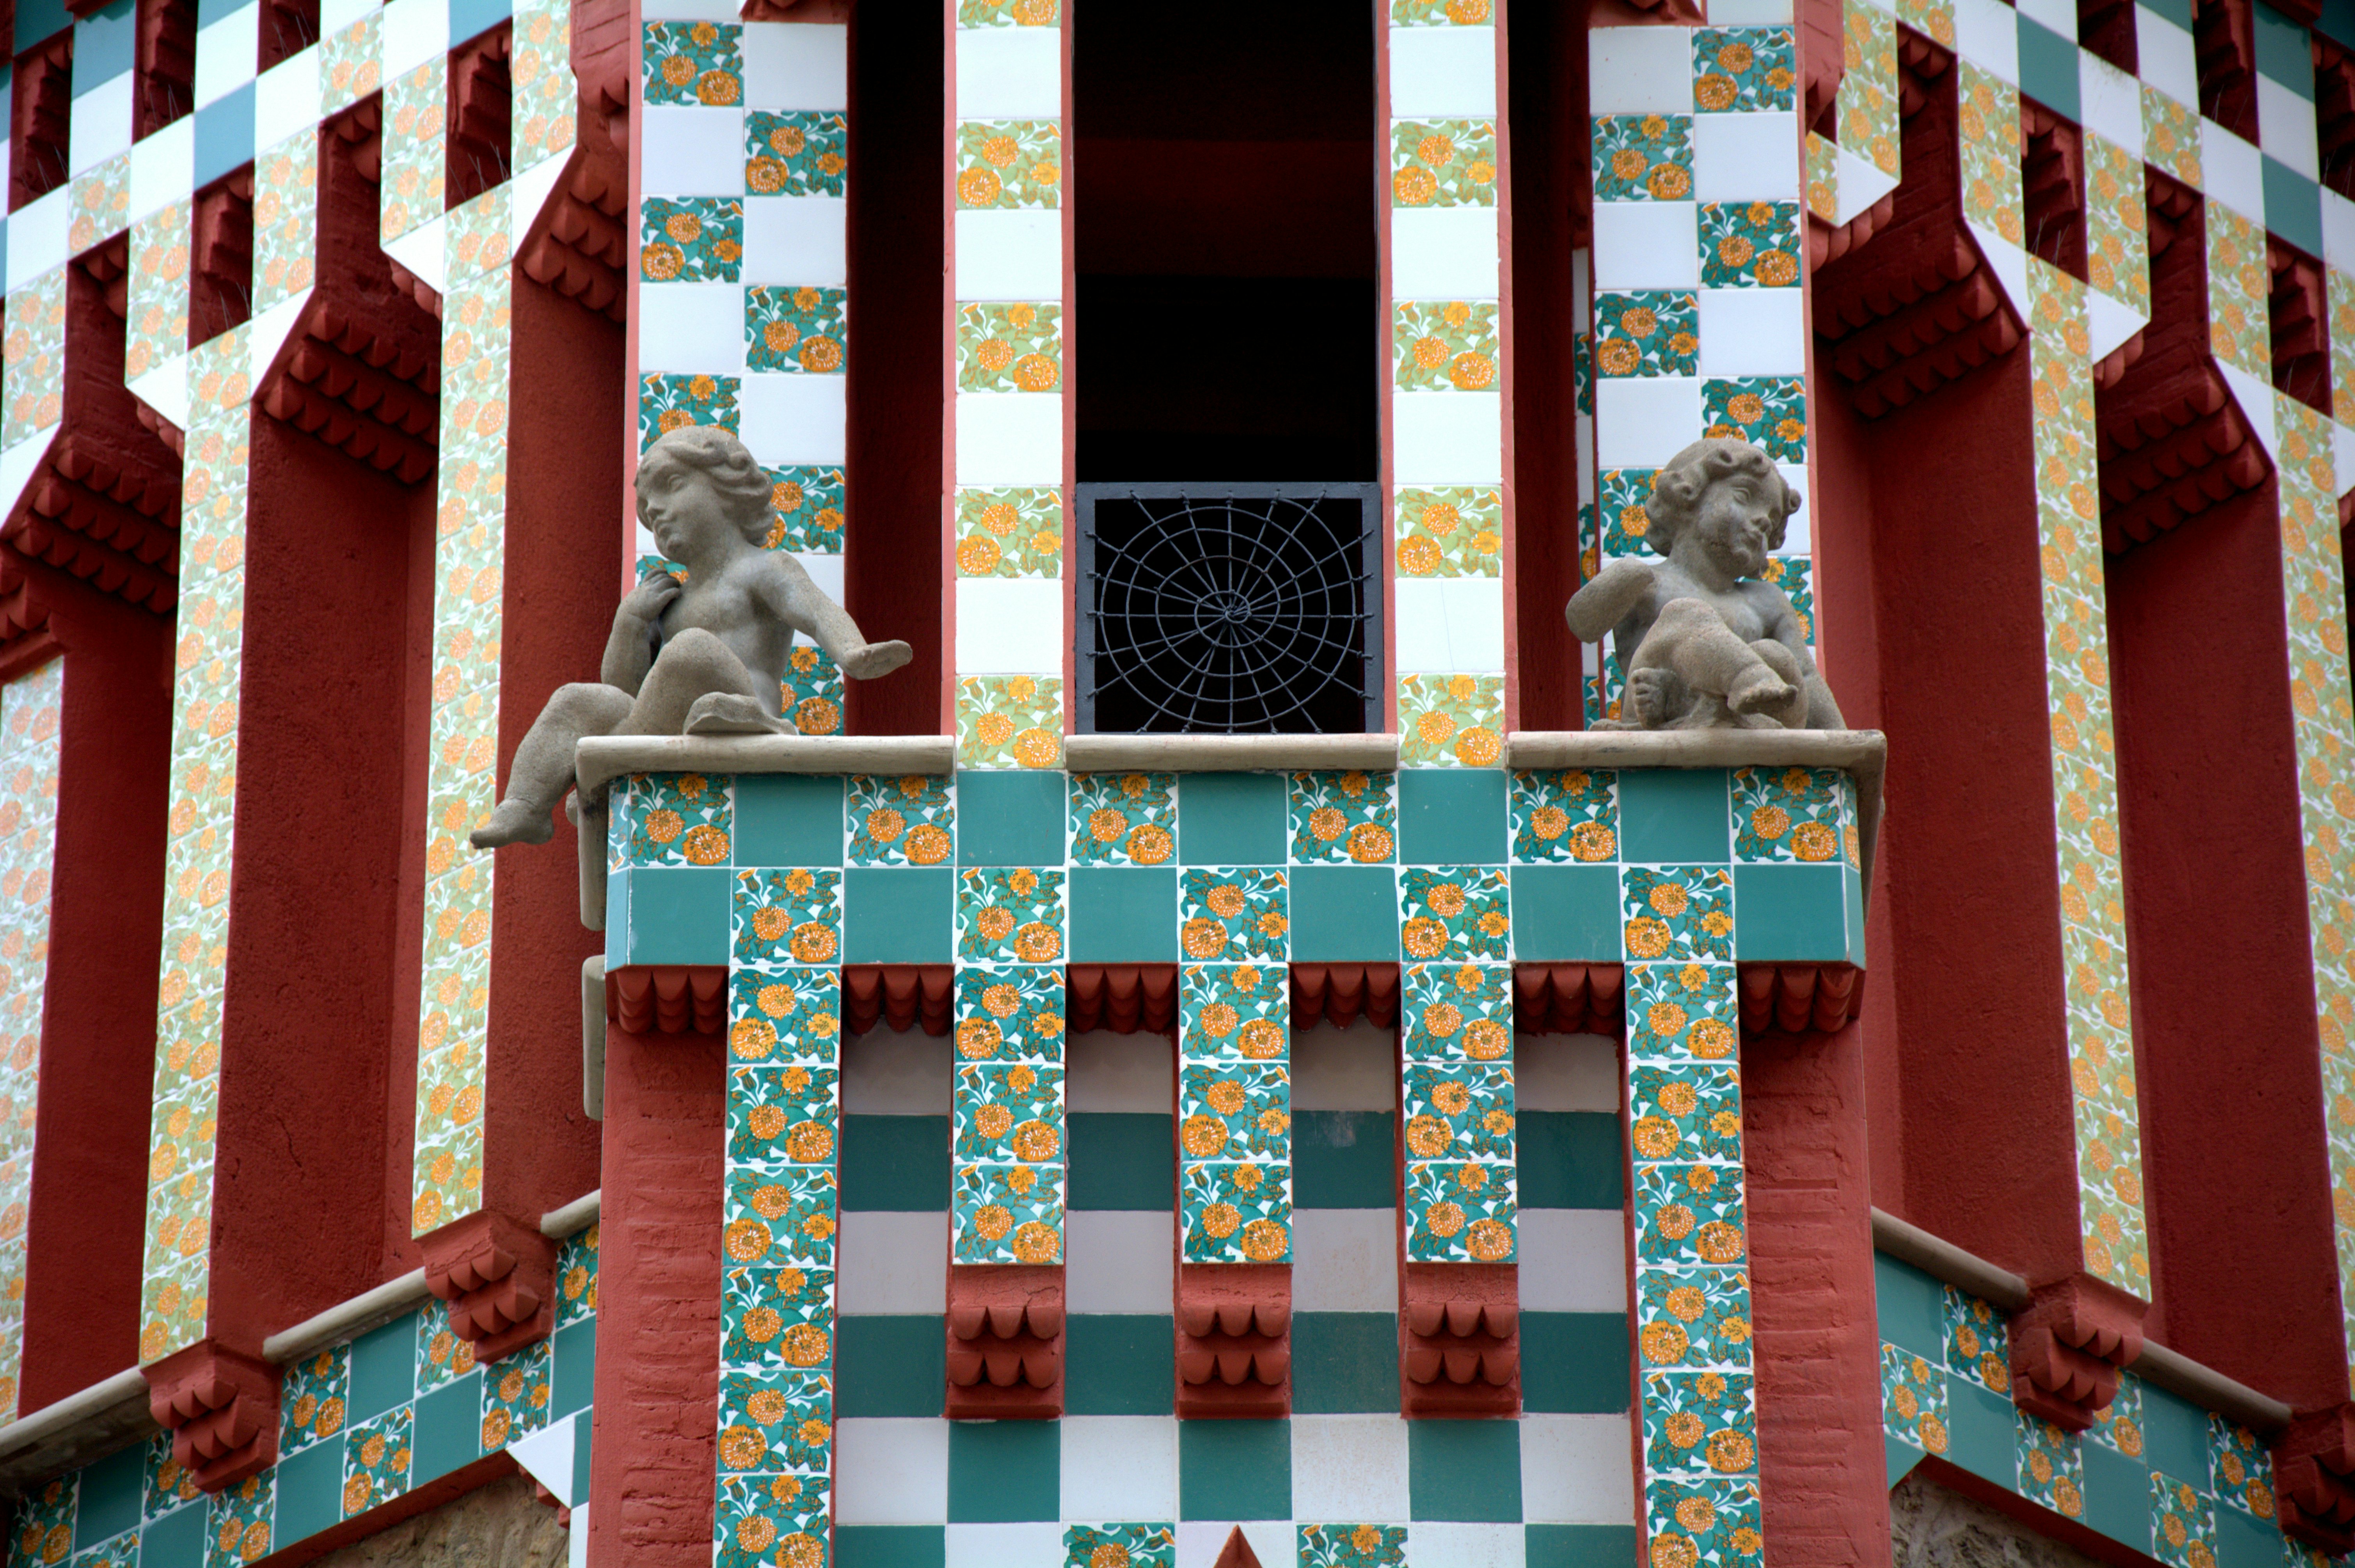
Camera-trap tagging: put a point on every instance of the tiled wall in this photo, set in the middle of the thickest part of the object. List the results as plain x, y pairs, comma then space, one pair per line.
1007, 503
30, 709
361, 1423
2155, 1473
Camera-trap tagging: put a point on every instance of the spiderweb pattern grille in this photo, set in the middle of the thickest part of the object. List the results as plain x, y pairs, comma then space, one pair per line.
1244, 609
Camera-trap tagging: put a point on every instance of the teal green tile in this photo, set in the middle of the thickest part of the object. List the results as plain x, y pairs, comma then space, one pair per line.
1124, 915
1674, 816
448, 1429
617, 918
1232, 818
891, 1546
1463, 1470
1123, 1159
1982, 1433
112, 1491
1003, 1471
585, 1431
1570, 1159
1452, 816
384, 1370
2243, 1541
1581, 1546
1344, 1160
2117, 1495
1912, 1307
1345, 1363
1852, 895
573, 1383
2293, 205
676, 914
2284, 53
1790, 912
1345, 913
2174, 1435
2176, 11
2338, 19
177, 1540
2047, 67
895, 1162
1566, 913
1234, 1469
897, 915
890, 1365
1574, 1364
1901, 1456
1122, 1364
1010, 817
310, 1492
788, 819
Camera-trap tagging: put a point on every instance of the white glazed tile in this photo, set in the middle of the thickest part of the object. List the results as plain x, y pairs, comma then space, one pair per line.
334, 16
1573, 1260
1796, 533
2338, 230
2111, 101
2109, 323
1009, 255
2233, 171
1747, 13
1449, 625
1343, 1260
1108, 1072
2165, 57
99, 124
1647, 244
896, 1471
1009, 438
891, 1263
1640, 70
1582, 306
892, 1071
413, 31
1010, 623
2256, 398
2342, 455
1566, 1072
688, 11
793, 418
1577, 1470
692, 151
2008, 262
1119, 1261
36, 236
1350, 1467
1753, 331
1987, 34
1643, 422
2286, 127
1447, 438
691, 327
802, 65
825, 573
994, 1545
228, 52
1443, 252
2061, 16
1746, 157
1439, 1544
1119, 1467
286, 99
1009, 73
796, 239
1444, 73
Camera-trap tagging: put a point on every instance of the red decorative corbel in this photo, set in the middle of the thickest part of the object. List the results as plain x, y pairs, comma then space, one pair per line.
1459, 1340
2314, 1478
498, 1275
1234, 1339
221, 1408
2067, 1345
1005, 1341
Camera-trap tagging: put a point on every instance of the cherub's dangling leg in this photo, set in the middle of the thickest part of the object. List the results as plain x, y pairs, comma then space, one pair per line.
542, 770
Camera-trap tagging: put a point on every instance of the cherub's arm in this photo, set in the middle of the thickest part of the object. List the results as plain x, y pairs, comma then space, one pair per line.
787, 593
630, 650
1605, 601
1782, 624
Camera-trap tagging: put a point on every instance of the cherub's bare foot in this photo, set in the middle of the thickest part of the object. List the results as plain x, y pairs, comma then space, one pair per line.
876, 659
1649, 699
513, 823
1764, 694
731, 712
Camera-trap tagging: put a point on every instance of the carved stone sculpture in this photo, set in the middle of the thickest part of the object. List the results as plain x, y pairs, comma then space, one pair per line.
702, 656
1704, 642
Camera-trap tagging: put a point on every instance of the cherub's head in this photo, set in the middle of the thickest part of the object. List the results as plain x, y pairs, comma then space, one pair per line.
1727, 487
699, 476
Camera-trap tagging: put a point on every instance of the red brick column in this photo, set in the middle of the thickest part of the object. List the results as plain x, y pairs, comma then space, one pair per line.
652, 1484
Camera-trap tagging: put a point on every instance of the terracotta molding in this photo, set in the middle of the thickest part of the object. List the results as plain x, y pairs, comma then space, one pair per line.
1338, 994
669, 999
1234, 1340
348, 1320
1459, 1340
901, 996
76, 1430
498, 1275
574, 1217
1005, 1342
1126, 998
602, 757
2314, 1478
1798, 998
222, 1408
1569, 998
1228, 753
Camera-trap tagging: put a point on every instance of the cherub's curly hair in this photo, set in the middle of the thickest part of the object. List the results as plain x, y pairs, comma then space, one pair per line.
1677, 487
742, 483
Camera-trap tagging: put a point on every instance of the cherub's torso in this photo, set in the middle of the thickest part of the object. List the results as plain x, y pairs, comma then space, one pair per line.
734, 605
1752, 610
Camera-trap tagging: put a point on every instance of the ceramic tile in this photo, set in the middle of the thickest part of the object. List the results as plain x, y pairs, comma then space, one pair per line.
775, 1423
787, 916
237, 1521
797, 330
694, 63
1443, 162
1235, 913
1693, 1317
812, 692
1655, 333
1788, 814
1009, 164
777, 1320
1009, 721
1699, 1422
1677, 912
1009, 533
1007, 1113
1708, 1523
1445, 345
2183, 1523
1234, 1011
1913, 1400
1008, 1213
764, 1519
1344, 818
1643, 157
1747, 245
2051, 1465
1015, 347
1455, 913
1352, 1546
1124, 819
1566, 816
690, 240
1007, 1012
780, 1219
1451, 721
1769, 411
1236, 1212
375, 1459
1454, 1014
909, 820
801, 153
1234, 1110
670, 402
1450, 530
1989, 132
515, 1395
1742, 69
312, 1401
782, 1116
1681, 1012
1978, 1345
1013, 916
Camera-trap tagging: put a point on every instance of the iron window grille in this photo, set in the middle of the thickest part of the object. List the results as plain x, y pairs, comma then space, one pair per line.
1229, 610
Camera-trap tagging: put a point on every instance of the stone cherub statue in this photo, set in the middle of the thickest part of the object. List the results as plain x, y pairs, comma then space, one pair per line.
1705, 644
706, 656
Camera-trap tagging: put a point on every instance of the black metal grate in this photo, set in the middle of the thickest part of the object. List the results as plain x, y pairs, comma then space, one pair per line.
1242, 609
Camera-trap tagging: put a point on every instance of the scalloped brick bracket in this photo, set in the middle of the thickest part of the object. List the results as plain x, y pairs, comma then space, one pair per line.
1005, 1342
221, 1407
1459, 1340
2314, 1478
498, 1275
1234, 1340
2067, 1345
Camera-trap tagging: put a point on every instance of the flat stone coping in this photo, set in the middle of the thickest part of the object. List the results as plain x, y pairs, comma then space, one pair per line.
600, 757
83, 1426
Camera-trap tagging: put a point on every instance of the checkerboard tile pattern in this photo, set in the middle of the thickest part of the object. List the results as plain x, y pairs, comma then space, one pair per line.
31, 707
